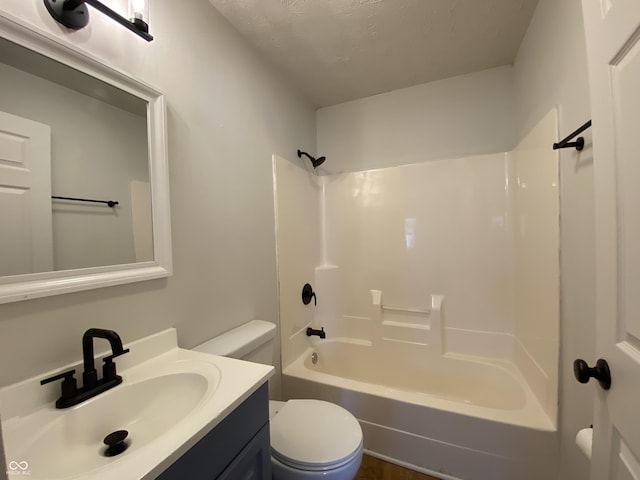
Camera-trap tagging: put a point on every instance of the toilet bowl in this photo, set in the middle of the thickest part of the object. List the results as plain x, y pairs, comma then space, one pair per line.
310, 439
314, 439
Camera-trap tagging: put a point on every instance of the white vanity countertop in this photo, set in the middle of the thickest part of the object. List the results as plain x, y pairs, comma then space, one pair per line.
29, 415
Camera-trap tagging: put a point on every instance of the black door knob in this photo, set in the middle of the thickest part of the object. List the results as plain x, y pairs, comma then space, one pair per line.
600, 372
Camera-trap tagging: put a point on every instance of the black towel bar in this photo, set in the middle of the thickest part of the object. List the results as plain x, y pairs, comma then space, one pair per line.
111, 203
579, 143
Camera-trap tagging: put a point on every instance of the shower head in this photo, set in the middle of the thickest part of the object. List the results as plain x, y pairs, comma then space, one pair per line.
316, 162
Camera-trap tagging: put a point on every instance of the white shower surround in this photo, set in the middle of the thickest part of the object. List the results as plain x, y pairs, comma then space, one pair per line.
483, 231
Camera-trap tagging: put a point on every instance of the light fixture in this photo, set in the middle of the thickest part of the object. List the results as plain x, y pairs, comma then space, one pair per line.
139, 14
74, 14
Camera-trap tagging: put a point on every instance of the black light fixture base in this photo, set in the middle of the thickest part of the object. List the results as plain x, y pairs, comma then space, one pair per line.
141, 25
73, 18
74, 14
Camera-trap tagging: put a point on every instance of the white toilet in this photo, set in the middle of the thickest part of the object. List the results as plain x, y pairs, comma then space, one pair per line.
310, 439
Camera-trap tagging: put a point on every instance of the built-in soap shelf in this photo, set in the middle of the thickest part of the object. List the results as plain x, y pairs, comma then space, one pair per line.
416, 311
406, 317
421, 326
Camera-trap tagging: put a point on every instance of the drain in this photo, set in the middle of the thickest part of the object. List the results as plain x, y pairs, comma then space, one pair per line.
115, 443
314, 358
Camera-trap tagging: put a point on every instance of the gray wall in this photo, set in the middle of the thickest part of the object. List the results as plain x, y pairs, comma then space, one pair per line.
550, 70
228, 112
465, 115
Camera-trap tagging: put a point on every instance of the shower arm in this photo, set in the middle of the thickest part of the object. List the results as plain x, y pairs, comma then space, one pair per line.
316, 162
300, 153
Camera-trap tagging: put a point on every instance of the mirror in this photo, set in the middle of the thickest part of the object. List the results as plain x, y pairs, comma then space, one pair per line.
83, 170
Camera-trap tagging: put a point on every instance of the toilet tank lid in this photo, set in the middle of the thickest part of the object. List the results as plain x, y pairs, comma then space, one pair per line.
238, 342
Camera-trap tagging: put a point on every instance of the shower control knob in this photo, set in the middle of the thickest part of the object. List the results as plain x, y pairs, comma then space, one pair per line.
308, 294
600, 372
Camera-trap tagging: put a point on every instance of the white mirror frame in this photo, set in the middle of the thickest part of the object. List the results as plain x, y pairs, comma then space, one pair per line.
34, 285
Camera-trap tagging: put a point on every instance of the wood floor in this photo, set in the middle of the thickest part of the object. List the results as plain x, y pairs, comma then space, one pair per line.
375, 469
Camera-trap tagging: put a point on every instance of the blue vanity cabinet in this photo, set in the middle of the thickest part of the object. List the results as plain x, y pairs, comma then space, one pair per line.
237, 448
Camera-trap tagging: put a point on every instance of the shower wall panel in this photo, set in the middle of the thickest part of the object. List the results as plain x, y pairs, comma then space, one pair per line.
534, 179
431, 228
297, 203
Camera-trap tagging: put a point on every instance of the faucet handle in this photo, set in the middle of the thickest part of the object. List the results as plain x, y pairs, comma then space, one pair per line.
69, 384
109, 368
109, 358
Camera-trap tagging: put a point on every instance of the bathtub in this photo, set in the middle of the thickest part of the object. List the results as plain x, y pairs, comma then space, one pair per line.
452, 416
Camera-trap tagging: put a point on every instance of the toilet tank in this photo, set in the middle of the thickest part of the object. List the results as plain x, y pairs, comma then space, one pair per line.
252, 341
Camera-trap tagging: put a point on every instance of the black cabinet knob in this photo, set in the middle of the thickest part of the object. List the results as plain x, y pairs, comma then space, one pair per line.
600, 372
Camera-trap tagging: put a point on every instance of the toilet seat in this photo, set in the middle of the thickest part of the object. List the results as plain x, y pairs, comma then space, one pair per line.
314, 435
316, 467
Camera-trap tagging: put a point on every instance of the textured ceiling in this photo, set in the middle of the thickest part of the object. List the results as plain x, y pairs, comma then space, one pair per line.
340, 50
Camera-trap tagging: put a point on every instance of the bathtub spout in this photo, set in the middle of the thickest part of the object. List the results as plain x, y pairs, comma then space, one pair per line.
320, 333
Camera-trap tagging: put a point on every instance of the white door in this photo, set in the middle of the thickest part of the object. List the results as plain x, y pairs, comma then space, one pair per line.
612, 29
26, 244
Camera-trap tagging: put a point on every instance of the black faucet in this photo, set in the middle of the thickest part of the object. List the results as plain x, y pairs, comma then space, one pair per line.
320, 333
90, 375
91, 386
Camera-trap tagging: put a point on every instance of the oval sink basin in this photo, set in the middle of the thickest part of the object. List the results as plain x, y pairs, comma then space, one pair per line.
69, 442
169, 399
